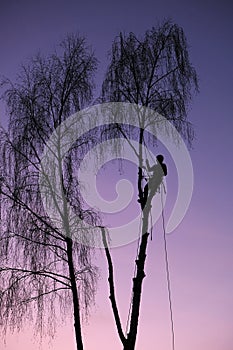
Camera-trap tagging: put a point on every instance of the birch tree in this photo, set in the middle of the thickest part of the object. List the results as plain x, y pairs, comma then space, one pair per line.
43, 268
155, 72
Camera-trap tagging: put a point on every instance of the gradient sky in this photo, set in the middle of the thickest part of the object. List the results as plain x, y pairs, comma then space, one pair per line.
200, 249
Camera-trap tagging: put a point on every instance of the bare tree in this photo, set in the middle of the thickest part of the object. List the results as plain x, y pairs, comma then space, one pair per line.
153, 72
42, 264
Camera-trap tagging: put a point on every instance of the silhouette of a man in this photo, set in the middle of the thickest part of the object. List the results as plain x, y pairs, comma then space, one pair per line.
159, 170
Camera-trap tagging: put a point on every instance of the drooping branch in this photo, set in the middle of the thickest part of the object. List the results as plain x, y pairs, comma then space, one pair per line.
54, 276
127, 139
112, 295
36, 297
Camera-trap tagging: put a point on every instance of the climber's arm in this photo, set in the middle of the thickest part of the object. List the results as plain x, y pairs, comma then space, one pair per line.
149, 168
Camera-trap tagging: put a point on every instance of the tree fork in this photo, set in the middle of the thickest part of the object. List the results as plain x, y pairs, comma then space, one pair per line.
137, 291
112, 296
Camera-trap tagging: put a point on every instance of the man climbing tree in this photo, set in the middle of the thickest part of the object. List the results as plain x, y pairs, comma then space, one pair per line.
158, 170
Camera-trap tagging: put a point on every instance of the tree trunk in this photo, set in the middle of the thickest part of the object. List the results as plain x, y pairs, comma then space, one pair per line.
140, 262
137, 285
77, 321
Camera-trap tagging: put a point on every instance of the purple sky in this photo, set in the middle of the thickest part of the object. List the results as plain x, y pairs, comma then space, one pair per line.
200, 249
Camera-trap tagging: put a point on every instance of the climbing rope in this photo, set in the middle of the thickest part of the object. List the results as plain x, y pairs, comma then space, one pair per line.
167, 270
151, 224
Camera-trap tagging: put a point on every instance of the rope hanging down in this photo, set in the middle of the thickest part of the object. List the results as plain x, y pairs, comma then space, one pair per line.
167, 270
